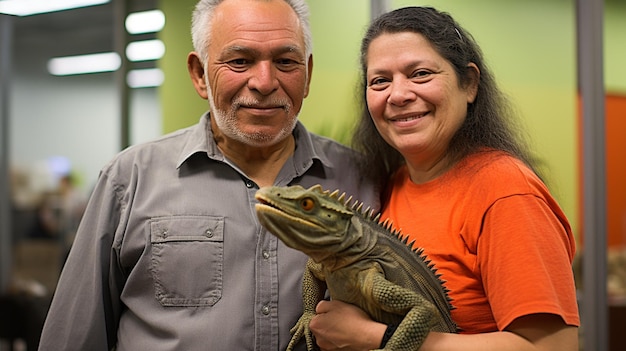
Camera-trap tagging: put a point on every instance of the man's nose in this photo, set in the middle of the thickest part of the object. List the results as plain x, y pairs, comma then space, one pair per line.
263, 78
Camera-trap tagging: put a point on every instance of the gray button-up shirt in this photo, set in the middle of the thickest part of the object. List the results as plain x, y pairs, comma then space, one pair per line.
170, 254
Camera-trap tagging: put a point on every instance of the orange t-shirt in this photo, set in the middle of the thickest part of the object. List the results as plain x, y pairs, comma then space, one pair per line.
499, 239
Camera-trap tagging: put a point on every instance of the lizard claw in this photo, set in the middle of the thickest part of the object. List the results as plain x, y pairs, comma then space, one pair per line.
302, 329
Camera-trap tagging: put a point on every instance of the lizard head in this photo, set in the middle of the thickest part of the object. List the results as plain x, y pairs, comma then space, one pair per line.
312, 220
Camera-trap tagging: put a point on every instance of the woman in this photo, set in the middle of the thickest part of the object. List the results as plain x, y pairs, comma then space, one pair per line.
459, 180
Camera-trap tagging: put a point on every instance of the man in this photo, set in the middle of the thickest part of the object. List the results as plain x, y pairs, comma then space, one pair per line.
170, 255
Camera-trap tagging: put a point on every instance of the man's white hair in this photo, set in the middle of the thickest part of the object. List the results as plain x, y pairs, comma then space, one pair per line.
203, 15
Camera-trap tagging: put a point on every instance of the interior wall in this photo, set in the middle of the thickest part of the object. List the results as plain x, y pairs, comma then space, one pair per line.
331, 108
76, 117
614, 47
615, 82
179, 102
616, 170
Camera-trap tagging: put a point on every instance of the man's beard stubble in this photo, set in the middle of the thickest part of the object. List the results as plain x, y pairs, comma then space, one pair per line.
227, 121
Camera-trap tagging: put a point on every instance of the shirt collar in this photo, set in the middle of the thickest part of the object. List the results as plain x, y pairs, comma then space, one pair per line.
308, 149
200, 140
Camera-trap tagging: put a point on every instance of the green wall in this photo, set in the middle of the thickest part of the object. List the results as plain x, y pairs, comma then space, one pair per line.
180, 104
615, 47
337, 26
530, 45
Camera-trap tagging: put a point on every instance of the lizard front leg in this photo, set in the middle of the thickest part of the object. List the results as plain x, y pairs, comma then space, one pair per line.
419, 314
313, 290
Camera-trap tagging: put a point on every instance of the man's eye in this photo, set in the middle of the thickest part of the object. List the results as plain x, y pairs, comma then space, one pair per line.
238, 62
286, 64
285, 61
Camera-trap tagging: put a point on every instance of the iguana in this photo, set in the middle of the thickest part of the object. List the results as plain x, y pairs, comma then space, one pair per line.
360, 260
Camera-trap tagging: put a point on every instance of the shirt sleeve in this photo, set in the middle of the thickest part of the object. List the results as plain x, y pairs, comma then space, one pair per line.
525, 253
85, 309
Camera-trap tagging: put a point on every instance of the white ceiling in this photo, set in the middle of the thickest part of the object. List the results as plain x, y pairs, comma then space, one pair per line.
86, 30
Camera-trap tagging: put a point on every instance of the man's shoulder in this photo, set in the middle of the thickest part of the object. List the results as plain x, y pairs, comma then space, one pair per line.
329, 145
164, 149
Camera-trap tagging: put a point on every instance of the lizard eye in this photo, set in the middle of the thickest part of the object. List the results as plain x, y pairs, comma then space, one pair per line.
307, 203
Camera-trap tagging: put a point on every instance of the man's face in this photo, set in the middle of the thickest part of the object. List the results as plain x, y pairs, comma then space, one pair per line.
257, 73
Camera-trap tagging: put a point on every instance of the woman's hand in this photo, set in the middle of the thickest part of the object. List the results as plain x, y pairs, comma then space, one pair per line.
337, 323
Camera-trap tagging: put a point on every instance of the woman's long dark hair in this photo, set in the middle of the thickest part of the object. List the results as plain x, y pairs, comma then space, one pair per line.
490, 120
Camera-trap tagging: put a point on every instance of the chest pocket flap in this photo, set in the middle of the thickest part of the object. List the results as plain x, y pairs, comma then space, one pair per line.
187, 255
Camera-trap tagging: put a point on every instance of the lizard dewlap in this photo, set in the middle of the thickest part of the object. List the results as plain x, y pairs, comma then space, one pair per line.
359, 260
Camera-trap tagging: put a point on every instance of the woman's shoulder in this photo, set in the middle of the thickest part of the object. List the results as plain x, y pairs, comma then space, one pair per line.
499, 170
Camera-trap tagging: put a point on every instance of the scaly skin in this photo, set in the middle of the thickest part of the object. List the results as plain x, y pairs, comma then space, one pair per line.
359, 260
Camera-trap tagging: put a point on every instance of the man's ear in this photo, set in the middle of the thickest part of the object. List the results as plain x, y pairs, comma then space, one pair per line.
196, 73
473, 73
309, 72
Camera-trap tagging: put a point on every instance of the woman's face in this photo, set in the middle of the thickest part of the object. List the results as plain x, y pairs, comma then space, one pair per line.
414, 96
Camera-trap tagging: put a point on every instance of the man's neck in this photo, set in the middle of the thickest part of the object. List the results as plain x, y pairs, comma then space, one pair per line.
261, 164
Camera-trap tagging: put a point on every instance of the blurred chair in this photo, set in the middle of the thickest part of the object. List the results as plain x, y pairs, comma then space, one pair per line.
22, 317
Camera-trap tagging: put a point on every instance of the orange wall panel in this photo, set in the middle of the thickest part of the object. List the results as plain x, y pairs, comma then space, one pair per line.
616, 169
615, 109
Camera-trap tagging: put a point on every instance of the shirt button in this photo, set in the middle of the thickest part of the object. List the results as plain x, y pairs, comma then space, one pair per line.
265, 310
209, 233
266, 255
249, 184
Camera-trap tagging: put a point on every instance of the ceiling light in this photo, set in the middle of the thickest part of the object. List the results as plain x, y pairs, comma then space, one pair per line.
145, 78
145, 22
145, 50
93, 63
32, 7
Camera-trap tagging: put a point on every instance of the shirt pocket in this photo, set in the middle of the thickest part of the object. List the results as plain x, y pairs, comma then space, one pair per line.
187, 259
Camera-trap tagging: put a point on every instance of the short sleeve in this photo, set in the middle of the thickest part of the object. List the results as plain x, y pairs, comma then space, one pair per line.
525, 253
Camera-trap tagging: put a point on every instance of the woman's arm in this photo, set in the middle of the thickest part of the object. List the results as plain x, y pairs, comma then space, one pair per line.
341, 326
538, 332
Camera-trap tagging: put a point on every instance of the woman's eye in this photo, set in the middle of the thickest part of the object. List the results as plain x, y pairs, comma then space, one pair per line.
378, 82
420, 74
